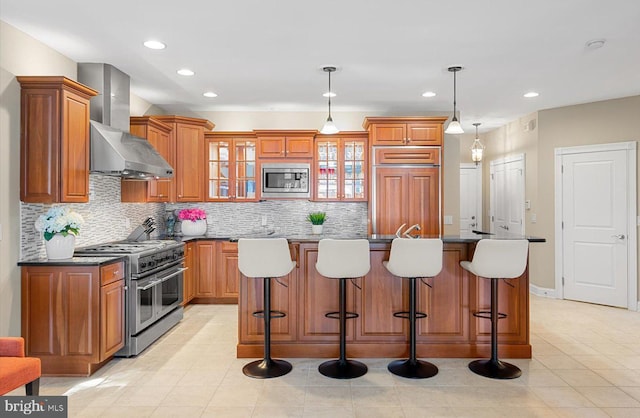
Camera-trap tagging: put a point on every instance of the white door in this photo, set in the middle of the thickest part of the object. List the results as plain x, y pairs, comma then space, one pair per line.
595, 227
470, 197
506, 192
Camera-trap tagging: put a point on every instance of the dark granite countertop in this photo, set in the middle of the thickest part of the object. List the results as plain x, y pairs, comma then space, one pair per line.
74, 261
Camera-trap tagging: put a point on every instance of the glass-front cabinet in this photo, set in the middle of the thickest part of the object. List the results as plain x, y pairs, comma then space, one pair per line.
231, 166
340, 167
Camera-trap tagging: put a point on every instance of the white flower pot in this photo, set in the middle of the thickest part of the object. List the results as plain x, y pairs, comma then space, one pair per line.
60, 247
194, 228
316, 229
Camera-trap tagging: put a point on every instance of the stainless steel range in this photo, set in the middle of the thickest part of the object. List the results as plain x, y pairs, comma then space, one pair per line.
154, 288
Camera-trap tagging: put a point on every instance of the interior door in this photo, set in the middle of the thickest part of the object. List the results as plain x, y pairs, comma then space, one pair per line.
506, 191
595, 227
470, 195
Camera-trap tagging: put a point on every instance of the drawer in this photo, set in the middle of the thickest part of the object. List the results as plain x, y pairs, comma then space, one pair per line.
408, 155
111, 273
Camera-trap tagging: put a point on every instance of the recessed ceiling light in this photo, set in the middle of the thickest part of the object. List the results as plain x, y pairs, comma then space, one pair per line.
594, 44
185, 72
531, 94
209, 94
428, 94
329, 94
154, 45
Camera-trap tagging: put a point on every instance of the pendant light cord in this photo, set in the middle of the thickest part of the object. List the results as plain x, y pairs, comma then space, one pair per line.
454, 96
330, 95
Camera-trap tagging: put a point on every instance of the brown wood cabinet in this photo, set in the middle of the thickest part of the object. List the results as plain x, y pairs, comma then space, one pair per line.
231, 168
227, 273
449, 330
159, 136
407, 195
341, 167
54, 140
189, 285
405, 131
206, 259
187, 157
216, 275
285, 144
73, 316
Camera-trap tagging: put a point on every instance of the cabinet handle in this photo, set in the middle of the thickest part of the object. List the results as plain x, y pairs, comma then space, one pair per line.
179, 195
408, 140
115, 273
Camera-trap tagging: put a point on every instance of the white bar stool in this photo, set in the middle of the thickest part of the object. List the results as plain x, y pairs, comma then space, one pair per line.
414, 259
496, 259
265, 258
343, 260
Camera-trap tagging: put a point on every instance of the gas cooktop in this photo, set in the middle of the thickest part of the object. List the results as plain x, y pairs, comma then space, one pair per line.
127, 247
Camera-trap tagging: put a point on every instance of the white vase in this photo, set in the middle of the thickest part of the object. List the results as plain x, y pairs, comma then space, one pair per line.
193, 228
316, 229
60, 247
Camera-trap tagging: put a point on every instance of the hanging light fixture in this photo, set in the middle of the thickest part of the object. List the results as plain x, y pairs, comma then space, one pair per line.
329, 127
454, 126
476, 148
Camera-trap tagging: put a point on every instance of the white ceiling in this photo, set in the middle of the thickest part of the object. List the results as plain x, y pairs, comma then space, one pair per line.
267, 55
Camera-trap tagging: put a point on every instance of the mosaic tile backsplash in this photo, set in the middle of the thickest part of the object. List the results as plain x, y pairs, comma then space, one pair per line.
106, 217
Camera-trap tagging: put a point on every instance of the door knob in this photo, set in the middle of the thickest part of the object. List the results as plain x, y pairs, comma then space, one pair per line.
619, 236
473, 224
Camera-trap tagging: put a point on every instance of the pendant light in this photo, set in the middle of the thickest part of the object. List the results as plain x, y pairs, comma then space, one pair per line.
454, 126
329, 127
476, 148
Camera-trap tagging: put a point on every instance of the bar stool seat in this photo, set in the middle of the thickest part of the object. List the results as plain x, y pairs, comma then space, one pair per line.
265, 258
343, 260
496, 259
414, 259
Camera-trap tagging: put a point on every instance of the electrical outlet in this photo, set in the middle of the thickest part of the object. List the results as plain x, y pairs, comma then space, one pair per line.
263, 221
534, 218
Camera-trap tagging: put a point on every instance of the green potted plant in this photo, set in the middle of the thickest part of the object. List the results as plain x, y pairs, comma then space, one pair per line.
316, 219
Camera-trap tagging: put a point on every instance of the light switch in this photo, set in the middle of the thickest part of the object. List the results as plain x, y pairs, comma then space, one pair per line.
448, 220
527, 204
534, 218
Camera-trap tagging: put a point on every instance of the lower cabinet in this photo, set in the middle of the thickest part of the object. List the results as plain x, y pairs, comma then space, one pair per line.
216, 275
73, 316
189, 285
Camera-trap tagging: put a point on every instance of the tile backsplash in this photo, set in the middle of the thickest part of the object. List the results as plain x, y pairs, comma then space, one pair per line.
106, 217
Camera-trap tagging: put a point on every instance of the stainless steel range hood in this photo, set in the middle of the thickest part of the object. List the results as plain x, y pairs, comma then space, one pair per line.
114, 151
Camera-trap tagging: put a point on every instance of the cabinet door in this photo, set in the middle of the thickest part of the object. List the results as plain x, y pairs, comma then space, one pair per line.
353, 159
189, 163
392, 199
245, 175
158, 190
299, 147
271, 147
205, 281
327, 170
423, 199
424, 134
389, 134
189, 286
228, 277
111, 319
219, 170
74, 152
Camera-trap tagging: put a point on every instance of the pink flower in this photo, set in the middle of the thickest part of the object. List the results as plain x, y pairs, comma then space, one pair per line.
192, 214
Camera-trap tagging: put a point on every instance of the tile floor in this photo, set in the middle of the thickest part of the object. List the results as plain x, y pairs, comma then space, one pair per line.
586, 363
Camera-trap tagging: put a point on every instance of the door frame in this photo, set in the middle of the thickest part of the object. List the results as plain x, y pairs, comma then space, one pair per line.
479, 183
632, 252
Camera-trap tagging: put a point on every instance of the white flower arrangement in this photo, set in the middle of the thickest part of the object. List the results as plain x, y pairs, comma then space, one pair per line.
59, 220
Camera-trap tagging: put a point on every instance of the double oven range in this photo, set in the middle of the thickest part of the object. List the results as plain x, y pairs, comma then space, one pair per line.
154, 291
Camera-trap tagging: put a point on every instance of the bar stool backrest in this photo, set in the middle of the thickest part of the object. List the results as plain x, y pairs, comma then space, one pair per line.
414, 258
500, 258
264, 257
343, 259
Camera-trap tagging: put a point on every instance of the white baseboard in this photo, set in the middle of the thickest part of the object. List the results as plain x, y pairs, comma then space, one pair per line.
543, 291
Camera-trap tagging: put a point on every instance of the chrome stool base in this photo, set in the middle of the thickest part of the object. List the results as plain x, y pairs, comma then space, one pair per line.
342, 369
495, 369
267, 368
417, 369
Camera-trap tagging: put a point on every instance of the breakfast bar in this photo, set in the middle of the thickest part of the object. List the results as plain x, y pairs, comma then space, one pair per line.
449, 300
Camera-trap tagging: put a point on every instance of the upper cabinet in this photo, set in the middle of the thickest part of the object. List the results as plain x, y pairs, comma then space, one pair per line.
186, 157
340, 167
159, 136
285, 144
54, 146
231, 166
405, 131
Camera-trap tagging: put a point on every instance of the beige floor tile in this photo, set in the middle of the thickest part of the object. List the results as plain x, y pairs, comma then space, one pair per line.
366, 396
427, 397
623, 412
242, 395
328, 412
199, 396
580, 413
374, 377
430, 412
599, 362
128, 411
537, 377
611, 397
227, 412
621, 377
633, 391
563, 361
178, 411
275, 396
333, 396
581, 378
379, 412
277, 412
562, 397
143, 396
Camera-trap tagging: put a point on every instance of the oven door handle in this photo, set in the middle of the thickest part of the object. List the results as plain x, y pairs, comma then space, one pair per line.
175, 273
150, 285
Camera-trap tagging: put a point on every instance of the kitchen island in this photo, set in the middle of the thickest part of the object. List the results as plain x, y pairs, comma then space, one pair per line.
450, 329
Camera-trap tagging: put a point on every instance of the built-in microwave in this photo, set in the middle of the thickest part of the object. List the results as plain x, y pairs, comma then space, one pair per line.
286, 180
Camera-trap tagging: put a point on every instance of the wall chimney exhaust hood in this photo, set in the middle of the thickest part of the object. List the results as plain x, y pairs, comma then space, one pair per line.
114, 151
